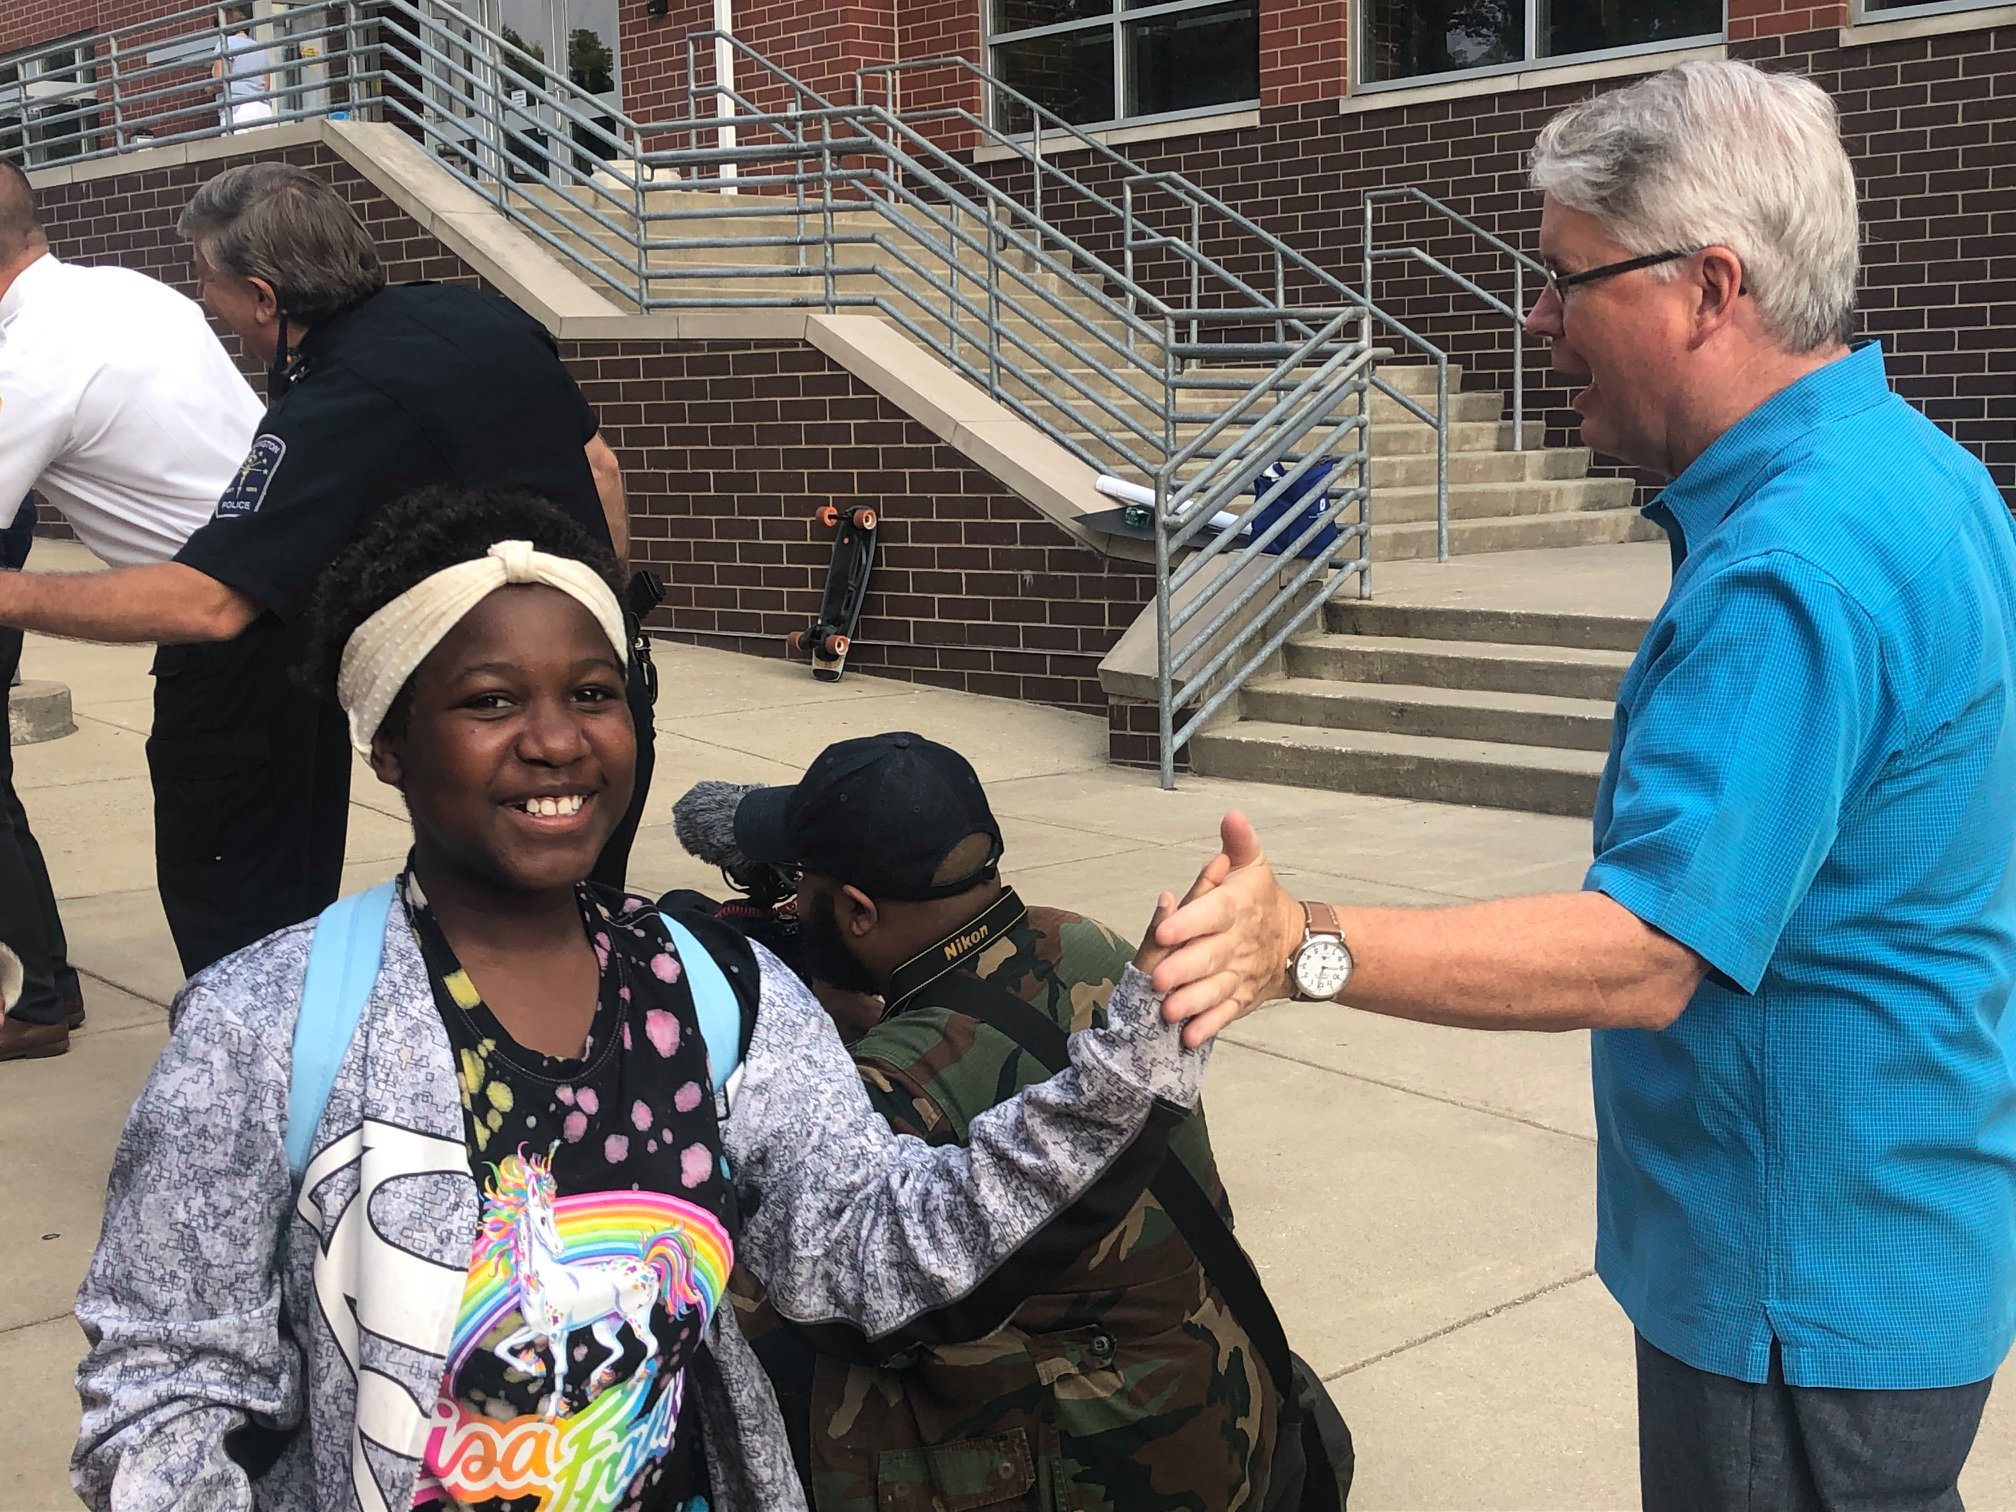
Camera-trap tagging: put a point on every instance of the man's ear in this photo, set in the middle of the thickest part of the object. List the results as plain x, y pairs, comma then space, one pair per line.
385, 762
858, 912
1722, 286
269, 298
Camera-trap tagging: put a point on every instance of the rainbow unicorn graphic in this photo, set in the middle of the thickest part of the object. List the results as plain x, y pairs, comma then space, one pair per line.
599, 1260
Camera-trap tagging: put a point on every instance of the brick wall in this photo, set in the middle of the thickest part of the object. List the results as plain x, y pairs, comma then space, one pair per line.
728, 448
1302, 51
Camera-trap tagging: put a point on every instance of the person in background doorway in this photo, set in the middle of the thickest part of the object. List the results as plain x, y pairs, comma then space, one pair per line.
240, 68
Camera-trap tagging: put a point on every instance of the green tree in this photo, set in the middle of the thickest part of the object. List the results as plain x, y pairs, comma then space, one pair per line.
590, 62
514, 63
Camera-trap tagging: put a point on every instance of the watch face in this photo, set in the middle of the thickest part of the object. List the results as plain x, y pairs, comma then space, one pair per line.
1322, 967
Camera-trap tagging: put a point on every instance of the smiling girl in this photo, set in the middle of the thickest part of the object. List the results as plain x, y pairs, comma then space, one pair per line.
496, 1282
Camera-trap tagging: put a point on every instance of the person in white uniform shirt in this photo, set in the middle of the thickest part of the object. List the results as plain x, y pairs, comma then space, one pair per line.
119, 406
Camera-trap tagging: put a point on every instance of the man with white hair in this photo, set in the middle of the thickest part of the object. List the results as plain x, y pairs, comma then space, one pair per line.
1797, 941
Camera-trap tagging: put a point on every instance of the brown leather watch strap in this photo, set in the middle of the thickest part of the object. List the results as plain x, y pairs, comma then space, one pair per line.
1322, 919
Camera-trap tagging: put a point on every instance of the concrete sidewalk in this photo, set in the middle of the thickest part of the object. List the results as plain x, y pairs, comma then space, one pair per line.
1419, 1199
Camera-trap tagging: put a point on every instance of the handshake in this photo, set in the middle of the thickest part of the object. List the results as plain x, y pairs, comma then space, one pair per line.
1217, 952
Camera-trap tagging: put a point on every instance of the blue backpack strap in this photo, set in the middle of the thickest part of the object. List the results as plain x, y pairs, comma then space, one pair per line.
714, 1003
343, 959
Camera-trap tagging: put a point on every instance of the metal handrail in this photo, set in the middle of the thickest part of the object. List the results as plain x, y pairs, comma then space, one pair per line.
1186, 190
1521, 265
869, 212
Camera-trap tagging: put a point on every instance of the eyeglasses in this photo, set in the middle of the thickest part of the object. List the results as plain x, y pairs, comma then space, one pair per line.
1561, 283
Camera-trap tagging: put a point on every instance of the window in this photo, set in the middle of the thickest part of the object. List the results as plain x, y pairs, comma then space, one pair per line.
1414, 39
1885, 10
1093, 62
49, 104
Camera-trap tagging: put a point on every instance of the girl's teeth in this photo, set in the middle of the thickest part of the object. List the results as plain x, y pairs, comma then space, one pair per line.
553, 808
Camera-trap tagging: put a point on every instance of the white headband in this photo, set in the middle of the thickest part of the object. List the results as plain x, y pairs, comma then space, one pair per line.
384, 651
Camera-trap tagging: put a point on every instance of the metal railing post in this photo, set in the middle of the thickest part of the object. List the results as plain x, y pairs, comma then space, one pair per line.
1519, 358
1280, 296
952, 283
993, 305
798, 183
1036, 169
643, 218
826, 213
1165, 669
1127, 253
1196, 268
1442, 460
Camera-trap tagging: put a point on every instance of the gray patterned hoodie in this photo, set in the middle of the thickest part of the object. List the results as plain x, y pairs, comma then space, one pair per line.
219, 1300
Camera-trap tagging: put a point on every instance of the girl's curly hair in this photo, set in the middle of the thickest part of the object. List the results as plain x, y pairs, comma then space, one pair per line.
408, 542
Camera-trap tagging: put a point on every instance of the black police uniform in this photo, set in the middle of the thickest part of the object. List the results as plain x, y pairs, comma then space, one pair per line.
420, 385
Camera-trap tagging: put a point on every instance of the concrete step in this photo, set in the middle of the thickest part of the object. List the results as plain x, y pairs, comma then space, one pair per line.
1408, 377
1576, 724
1481, 501
1418, 471
1479, 666
1591, 632
1591, 527
1418, 378
1540, 779
1400, 439
1463, 408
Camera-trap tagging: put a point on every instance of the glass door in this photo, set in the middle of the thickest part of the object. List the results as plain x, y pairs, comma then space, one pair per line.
576, 39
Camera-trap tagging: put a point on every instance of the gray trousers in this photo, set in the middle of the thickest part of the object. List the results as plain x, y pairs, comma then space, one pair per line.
1708, 1443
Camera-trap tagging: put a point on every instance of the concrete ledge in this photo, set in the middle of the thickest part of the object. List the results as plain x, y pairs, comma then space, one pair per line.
243, 143
39, 711
1058, 485
1931, 22
689, 325
1518, 78
1132, 668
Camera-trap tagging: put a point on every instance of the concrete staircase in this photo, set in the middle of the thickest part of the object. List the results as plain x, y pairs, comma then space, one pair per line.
1499, 707
1500, 499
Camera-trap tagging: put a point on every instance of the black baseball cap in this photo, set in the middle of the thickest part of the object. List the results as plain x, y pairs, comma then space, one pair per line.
880, 813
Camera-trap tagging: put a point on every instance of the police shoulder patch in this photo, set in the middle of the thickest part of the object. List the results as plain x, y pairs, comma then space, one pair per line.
255, 475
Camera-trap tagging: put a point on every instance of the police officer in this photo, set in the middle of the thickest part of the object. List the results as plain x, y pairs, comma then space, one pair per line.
374, 392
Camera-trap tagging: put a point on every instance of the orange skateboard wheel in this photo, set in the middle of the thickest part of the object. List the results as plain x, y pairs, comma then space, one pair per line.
826, 515
866, 519
795, 642
835, 646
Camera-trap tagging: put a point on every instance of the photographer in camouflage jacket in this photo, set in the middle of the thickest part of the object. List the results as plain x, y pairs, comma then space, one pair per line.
1122, 1381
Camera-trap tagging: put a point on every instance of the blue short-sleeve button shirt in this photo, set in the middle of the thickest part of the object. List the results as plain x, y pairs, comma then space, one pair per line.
1812, 784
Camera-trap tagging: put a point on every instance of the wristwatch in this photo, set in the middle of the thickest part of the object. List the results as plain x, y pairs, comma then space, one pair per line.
1319, 967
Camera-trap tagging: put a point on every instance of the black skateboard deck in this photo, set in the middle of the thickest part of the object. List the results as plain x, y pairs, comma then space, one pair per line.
827, 639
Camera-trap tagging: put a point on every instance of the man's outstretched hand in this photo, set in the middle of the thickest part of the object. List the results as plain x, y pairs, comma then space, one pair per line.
1224, 951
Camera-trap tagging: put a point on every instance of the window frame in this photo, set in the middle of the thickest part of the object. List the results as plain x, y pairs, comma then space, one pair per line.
18, 107
1361, 50
1116, 20
1862, 13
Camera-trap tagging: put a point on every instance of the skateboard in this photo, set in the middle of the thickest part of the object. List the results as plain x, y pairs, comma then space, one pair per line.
829, 636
